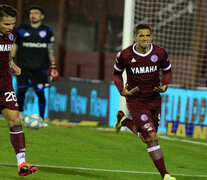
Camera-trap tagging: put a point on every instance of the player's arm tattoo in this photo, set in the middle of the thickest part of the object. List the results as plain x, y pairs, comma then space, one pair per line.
51, 53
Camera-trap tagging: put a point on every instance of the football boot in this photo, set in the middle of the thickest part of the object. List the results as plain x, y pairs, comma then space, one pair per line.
120, 118
25, 169
168, 177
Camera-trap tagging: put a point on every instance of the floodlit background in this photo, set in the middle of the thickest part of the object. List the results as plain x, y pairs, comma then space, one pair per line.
87, 33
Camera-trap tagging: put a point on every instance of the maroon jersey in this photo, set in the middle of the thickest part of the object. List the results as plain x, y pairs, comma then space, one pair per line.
143, 69
7, 95
6, 43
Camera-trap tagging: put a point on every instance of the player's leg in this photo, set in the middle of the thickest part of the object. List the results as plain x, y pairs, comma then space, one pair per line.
144, 120
122, 120
18, 141
22, 86
154, 149
20, 99
16, 133
39, 79
41, 102
155, 152
156, 119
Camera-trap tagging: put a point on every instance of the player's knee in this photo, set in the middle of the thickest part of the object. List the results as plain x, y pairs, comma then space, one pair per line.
149, 132
14, 121
151, 137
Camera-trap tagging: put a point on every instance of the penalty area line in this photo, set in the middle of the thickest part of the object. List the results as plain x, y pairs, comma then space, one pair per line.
108, 170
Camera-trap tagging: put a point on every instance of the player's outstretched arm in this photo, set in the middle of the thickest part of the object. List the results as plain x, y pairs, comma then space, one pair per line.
126, 92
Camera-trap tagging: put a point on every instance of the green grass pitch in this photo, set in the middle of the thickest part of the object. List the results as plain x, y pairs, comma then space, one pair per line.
81, 153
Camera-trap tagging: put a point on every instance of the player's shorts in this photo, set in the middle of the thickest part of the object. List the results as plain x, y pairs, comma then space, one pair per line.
8, 98
145, 113
32, 78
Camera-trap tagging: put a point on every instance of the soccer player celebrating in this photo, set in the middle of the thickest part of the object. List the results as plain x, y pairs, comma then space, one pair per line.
8, 101
33, 50
143, 61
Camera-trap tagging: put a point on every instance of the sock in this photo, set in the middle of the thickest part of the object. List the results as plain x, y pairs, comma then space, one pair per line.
41, 102
130, 124
156, 155
160, 164
20, 158
18, 142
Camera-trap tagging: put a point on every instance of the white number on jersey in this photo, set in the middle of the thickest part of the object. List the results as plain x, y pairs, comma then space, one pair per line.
10, 96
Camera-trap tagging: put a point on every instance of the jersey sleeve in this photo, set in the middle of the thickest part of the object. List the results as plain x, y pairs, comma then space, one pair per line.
118, 69
50, 36
165, 63
166, 69
119, 66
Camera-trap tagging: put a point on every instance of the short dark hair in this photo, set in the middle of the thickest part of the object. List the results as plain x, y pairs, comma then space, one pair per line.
38, 8
7, 11
142, 26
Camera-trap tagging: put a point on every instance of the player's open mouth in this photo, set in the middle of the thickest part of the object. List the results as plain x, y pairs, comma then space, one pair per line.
145, 43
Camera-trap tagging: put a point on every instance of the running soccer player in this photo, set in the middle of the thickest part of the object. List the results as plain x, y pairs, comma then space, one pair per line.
8, 101
143, 61
33, 50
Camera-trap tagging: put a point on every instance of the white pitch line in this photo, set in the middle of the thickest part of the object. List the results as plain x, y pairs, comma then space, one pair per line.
160, 136
182, 140
109, 170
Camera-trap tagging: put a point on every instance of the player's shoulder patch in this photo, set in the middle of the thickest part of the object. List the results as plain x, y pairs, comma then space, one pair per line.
52, 39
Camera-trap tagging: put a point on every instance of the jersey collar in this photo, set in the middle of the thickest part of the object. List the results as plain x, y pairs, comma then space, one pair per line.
34, 27
1, 34
140, 54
